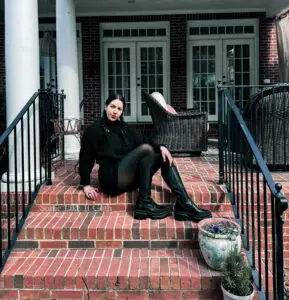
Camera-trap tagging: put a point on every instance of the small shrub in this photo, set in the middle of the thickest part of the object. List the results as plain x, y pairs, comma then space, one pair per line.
236, 275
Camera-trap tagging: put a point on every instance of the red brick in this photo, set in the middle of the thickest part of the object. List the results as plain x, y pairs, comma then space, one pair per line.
112, 279
155, 273
108, 244
123, 273
92, 273
9, 294
51, 271
164, 274
174, 273
32, 294
53, 244
67, 294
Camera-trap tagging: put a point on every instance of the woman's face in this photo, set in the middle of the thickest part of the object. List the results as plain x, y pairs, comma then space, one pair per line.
114, 110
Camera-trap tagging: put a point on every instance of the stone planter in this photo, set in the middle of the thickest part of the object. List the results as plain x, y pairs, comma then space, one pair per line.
229, 296
215, 246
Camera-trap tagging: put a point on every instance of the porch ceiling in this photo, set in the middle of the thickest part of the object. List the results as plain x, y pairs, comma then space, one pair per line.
125, 7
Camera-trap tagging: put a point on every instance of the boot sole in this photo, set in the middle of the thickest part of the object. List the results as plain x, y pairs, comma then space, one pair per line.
182, 216
143, 215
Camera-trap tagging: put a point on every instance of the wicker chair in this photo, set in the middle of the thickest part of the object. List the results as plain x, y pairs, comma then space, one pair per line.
268, 119
184, 133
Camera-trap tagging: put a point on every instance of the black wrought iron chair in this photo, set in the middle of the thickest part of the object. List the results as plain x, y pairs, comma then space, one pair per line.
184, 133
268, 119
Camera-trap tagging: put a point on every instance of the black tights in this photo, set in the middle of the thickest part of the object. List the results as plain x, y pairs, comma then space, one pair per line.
141, 162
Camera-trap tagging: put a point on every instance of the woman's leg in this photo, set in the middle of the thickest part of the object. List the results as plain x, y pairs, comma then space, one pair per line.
136, 170
185, 208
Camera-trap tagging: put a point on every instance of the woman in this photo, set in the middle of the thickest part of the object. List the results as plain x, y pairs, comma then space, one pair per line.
127, 160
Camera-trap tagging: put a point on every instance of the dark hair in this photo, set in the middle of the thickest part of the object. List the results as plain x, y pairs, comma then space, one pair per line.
116, 97
104, 117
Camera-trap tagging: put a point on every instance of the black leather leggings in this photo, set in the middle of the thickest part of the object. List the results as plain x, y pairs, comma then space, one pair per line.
137, 168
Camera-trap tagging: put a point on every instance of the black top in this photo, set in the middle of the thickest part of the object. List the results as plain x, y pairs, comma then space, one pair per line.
107, 146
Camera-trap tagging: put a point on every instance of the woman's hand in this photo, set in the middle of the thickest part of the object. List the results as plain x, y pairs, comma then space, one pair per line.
166, 155
90, 192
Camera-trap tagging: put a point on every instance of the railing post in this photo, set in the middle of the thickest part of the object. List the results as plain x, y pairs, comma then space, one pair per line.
281, 206
49, 100
221, 134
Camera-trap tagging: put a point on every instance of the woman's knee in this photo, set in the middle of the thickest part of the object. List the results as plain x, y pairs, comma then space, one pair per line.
147, 149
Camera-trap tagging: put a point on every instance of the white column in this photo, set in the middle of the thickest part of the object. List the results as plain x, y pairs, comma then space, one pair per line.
67, 67
22, 74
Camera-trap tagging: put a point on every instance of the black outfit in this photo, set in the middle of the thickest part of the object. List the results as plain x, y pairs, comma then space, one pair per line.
107, 146
127, 160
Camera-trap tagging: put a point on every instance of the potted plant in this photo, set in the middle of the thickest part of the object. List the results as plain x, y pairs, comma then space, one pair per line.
236, 278
217, 238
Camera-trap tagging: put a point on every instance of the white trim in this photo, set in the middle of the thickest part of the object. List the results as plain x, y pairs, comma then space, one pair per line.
230, 22
163, 12
226, 22
134, 25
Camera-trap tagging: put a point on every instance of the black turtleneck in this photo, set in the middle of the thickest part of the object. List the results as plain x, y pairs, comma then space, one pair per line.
107, 142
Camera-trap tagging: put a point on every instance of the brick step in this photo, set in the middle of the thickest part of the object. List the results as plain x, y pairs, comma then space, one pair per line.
105, 230
69, 198
109, 274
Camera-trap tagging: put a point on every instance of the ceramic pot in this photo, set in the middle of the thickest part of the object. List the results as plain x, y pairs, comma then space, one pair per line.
216, 247
229, 296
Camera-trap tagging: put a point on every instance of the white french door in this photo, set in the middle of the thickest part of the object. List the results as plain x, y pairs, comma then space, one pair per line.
229, 60
239, 68
130, 67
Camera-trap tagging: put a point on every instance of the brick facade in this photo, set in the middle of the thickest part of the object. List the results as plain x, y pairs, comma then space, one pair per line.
178, 36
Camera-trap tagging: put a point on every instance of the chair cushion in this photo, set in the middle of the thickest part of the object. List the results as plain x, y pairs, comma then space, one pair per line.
171, 110
160, 99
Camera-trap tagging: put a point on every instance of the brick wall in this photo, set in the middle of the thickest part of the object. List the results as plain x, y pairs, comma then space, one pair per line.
269, 67
91, 53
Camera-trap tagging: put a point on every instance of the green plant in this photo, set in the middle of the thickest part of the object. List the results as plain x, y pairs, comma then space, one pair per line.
236, 275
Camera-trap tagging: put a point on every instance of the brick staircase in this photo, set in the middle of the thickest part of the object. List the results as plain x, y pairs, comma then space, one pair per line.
74, 248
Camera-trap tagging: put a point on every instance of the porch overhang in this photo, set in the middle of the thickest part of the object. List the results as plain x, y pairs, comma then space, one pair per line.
152, 7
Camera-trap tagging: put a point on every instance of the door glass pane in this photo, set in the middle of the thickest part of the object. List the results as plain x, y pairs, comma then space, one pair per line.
238, 70
118, 67
203, 68
152, 77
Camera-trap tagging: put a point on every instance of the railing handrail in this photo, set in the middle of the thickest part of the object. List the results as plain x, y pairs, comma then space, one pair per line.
11, 127
241, 163
257, 154
27, 167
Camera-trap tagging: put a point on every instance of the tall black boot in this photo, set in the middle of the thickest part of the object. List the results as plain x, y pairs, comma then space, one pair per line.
145, 207
185, 208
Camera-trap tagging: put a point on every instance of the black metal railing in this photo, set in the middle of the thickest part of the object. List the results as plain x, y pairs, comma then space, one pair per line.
257, 200
25, 157
265, 109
